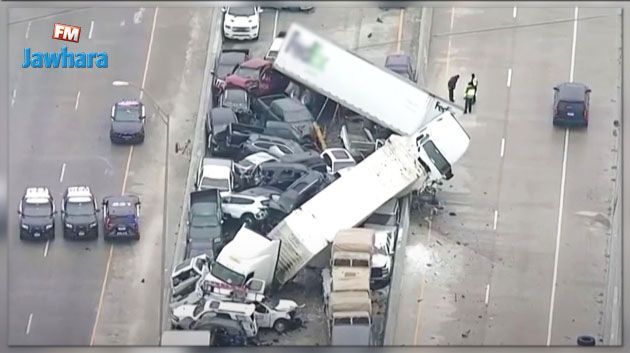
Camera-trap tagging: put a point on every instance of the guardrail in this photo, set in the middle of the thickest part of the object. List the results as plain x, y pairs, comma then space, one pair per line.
215, 41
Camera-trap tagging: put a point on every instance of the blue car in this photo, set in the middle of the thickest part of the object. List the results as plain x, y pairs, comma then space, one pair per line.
121, 217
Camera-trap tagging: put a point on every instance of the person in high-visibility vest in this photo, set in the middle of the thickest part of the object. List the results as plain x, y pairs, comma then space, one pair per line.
475, 83
468, 98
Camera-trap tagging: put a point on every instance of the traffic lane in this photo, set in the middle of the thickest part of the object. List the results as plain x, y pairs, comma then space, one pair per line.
26, 14
91, 160
534, 15
257, 47
530, 188
463, 19
462, 234
129, 314
591, 157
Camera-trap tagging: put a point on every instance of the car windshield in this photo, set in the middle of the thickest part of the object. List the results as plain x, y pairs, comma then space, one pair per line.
80, 208
241, 11
437, 158
226, 275
571, 107
199, 308
296, 116
37, 209
381, 219
247, 72
204, 221
127, 113
211, 183
236, 96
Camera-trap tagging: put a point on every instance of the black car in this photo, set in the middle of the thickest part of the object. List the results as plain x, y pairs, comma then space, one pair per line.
217, 121
308, 158
78, 213
237, 100
205, 219
121, 217
275, 146
37, 211
571, 104
277, 174
127, 124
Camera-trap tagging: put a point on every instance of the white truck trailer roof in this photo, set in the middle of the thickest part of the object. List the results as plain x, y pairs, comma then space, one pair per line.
384, 97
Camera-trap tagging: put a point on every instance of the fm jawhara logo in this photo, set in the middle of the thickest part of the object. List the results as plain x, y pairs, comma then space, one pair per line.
65, 58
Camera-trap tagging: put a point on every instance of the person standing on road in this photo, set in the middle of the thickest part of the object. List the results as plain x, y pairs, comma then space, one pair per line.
468, 98
452, 83
474, 82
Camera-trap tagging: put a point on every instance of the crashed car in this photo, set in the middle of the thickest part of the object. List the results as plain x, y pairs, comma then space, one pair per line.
337, 159
295, 195
185, 277
358, 139
277, 174
252, 161
258, 77
237, 100
308, 158
226, 62
121, 217
279, 314
275, 146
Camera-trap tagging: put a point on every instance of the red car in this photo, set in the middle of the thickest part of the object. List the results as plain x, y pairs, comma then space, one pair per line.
258, 77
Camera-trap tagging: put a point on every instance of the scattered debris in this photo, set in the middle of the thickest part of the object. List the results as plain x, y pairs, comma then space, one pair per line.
465, 334
452, 214
369, 35
87, 249
616, 123
142, 280
458, 242
378, 19
438, 242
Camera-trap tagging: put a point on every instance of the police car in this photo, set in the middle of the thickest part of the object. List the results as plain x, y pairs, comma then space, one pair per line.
127, 124
121, 217
36, 211
78, 213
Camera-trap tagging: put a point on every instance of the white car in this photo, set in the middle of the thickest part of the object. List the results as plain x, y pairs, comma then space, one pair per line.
337, 159
241, 22
252, 161
215, 173
184, 316
245, 207
278, 314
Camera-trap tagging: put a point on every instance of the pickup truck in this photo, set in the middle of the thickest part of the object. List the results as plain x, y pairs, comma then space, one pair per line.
258, 77
280, 107
205, 220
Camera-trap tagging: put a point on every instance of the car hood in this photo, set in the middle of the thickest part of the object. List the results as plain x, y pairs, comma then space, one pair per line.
127, 126
183, 311
241, 20
285, 305
37, 221
80, 219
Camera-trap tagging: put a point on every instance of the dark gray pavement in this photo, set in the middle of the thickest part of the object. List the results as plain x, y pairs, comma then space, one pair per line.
55, 289
480, 282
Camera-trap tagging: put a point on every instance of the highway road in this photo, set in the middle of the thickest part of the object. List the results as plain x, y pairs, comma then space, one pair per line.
96, 293
373, 34
518, 255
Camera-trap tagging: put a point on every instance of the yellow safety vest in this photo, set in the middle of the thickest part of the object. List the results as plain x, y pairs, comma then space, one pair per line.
470, 92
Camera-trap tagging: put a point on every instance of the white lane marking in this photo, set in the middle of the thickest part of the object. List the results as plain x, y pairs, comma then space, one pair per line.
562, 185
502, 147
126, 175
76, 103
28, 324
28, 29
400, 25
448, 50
514, 12
275, 24
558, 235
46, 248
13, 96
575, 23
146, 64
91, 29
509, 78
615, 295
496, 219
487, 293
63, 171
100, 300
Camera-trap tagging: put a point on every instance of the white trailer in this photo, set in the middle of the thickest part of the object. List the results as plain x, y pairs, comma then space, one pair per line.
383, 97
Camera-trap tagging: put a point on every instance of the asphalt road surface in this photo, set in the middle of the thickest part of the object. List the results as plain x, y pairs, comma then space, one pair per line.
83, 293
518, 254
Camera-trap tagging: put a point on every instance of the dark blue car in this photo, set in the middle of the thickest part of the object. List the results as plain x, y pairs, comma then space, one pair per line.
121, 217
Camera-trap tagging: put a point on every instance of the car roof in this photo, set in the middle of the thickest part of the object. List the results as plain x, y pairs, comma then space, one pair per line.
340, 154
79, 193
397, 60
37, 195
289, 104
255, 63
121, 205
571, 91
283, 165
129, 103
235, 91
231, 58
224, 162
260, 157
388, 208
236, 308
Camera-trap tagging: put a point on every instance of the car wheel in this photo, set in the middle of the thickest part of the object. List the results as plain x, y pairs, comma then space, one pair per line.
136, 237
186, 323
280, 325
586, 341
248, 218
22, 237
52, 233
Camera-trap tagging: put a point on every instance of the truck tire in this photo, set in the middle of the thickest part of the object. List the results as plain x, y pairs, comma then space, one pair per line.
585, 341
248, 219
281, 325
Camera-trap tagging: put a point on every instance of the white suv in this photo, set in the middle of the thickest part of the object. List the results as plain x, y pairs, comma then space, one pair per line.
241, 22
246, 207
